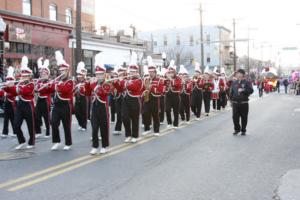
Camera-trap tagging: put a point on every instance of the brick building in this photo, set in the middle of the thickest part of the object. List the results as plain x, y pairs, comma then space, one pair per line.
37, 28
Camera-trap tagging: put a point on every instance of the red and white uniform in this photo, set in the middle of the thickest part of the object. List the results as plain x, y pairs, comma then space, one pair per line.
44, 90
174, 85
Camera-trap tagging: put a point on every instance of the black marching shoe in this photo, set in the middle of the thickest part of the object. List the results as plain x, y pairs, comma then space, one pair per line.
243, 133
236, 132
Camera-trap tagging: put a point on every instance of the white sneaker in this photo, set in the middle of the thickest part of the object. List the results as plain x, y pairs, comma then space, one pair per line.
30, 147
83, 129
20, 146
161, 123
4, 136
169, 126
146, 133
67, 148
127, 140
175, 127
55, 147
142, 126
112, 122
117, 132
102, 151
133, 140
188, 122
38, 136
156, 134
198, 119
13, 135
47, 136
79, 128
94, 151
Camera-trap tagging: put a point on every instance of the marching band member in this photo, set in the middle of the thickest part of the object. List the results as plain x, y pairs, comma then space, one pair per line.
162, 96
197, 95
119, 99
145, 97
112, 98
173, 87
100, 107
153, 89
216, 91
9, 101
25, 106
223, 97
62, 109
207, 88
44, 99
131, 106
81, 101
185, 96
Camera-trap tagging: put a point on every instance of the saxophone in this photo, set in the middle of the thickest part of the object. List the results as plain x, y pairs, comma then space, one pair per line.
147, 83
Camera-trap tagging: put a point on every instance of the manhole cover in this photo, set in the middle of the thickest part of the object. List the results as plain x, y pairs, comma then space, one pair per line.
16, 155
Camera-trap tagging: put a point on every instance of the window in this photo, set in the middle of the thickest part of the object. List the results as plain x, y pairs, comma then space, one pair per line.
68, 16
53, 12
20, 48
27, 7
165, 41
191, 40
27, 48
178, 40
155, 43
208, 38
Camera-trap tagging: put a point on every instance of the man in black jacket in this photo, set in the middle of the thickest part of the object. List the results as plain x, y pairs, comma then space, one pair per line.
240, 90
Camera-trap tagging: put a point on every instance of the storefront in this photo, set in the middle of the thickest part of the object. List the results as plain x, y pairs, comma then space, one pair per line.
34, 37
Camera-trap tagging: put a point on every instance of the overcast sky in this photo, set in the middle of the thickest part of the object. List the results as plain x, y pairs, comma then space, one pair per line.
275, 20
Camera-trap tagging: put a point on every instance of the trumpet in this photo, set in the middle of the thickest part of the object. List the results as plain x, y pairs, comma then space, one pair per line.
118, 78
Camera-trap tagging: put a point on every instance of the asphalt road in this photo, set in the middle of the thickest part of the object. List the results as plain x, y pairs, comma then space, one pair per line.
201, 161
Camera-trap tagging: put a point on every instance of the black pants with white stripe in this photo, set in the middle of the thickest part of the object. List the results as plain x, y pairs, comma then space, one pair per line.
81, 110
206, 99
185, 107
197, 102
9, 115
61, 112
24, 110
172, 103
119, 101
42, 110
100, 119
151, 111
130, 114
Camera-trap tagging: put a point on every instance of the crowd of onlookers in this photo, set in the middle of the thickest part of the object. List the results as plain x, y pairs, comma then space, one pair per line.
268, 86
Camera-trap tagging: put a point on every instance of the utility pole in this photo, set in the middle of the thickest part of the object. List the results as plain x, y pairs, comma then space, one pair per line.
234, 48
248, 49
78, 54
201, 38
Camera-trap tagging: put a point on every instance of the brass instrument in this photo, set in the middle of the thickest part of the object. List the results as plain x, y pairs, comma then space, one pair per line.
147, 83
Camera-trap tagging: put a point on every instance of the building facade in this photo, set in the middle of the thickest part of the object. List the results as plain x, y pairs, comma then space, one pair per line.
55, 10
183, 44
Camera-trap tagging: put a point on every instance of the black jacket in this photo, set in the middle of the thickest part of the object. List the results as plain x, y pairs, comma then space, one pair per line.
237, 96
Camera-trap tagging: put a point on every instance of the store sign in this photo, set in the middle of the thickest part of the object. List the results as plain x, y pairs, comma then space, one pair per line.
19, 34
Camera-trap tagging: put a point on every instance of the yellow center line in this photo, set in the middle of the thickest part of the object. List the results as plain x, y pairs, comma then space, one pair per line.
79, 162
62, 171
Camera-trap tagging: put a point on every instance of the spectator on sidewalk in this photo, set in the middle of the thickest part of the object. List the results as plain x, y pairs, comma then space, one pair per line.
278, 85
285, 84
